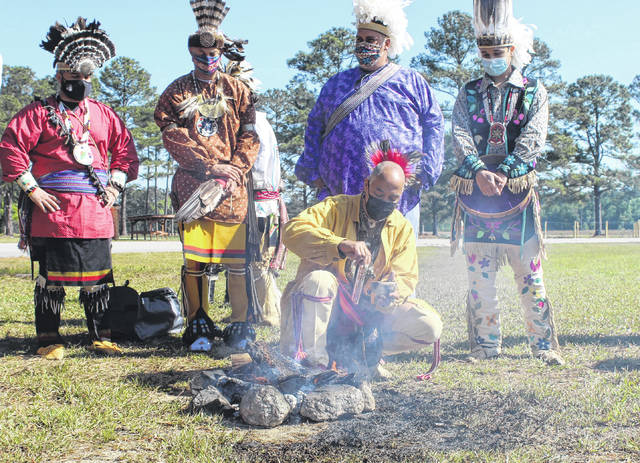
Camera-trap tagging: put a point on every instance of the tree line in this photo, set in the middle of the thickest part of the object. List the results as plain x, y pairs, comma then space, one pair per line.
588, 172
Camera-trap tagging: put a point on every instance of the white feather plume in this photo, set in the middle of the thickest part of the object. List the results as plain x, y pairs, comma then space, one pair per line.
523, 42
391, 13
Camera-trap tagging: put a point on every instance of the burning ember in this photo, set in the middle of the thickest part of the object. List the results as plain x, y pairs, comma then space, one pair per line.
266, 388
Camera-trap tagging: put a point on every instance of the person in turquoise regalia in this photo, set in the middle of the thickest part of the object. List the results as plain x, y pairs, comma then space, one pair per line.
499, 130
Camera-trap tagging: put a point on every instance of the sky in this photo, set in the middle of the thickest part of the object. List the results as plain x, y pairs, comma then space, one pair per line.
587, 37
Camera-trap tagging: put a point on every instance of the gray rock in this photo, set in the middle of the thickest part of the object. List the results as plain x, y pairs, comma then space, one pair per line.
292, 384
204, 380
294, 403
233, 388
331, 402
264, 406
212, 400
367, 395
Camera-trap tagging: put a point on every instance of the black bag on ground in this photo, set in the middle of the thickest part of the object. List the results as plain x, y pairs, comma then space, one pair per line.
124, 305
159, 314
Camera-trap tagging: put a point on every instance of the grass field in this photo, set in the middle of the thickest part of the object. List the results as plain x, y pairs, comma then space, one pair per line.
135, 408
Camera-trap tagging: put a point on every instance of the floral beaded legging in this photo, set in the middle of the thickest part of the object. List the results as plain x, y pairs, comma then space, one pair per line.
482, 305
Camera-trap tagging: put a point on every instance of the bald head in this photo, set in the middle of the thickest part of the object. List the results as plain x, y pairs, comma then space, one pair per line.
386, 182
390, 171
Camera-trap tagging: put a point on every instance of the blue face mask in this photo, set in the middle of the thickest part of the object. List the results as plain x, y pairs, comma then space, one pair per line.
496, 66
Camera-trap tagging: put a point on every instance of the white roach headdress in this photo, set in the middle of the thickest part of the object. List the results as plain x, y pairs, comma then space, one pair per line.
388, 18
495, 26
82, 47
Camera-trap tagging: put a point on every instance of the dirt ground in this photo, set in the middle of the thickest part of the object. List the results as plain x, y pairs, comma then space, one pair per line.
442, 421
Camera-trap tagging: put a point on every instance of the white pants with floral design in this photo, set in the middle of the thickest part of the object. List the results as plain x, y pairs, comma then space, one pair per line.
482, 305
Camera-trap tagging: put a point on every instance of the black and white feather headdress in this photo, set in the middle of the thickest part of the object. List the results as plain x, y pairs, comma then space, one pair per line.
495, 26
209, 15
82, 47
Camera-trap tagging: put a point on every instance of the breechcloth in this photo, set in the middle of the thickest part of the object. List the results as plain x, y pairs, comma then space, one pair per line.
212, 242
207, 242
73, 261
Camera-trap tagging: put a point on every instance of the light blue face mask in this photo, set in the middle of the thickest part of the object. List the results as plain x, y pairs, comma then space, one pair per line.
496, 66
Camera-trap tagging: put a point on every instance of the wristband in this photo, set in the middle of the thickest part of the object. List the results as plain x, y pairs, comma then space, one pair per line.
118, 180
27, 182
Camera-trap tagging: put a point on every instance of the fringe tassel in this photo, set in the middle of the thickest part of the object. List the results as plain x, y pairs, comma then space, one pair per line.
491, 250
457, 228
255, 311
461, 185
95, 301
280, 256
520, 184
49, 300
538, 225
300, 354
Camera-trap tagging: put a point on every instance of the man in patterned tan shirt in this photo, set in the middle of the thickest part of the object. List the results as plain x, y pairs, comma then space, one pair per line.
207, 120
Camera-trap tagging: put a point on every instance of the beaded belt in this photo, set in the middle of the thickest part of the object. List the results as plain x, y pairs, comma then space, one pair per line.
72, 181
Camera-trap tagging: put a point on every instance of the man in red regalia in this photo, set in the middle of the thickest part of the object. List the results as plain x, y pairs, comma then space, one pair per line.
57, 150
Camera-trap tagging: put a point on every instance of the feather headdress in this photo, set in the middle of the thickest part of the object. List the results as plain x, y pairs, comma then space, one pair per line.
82, 47
387, 17
495, 26
209, 15
382, 152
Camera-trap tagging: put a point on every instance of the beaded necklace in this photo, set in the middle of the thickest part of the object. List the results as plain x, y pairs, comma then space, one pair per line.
498, 130
81, 149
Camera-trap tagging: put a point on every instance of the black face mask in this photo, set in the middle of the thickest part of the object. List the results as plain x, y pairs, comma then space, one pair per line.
76, 89
379, 209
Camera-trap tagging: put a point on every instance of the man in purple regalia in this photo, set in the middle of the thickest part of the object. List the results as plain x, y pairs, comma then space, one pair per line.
378, 100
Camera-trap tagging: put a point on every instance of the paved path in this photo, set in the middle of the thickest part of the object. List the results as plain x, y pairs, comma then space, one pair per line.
11, 249
440, 242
